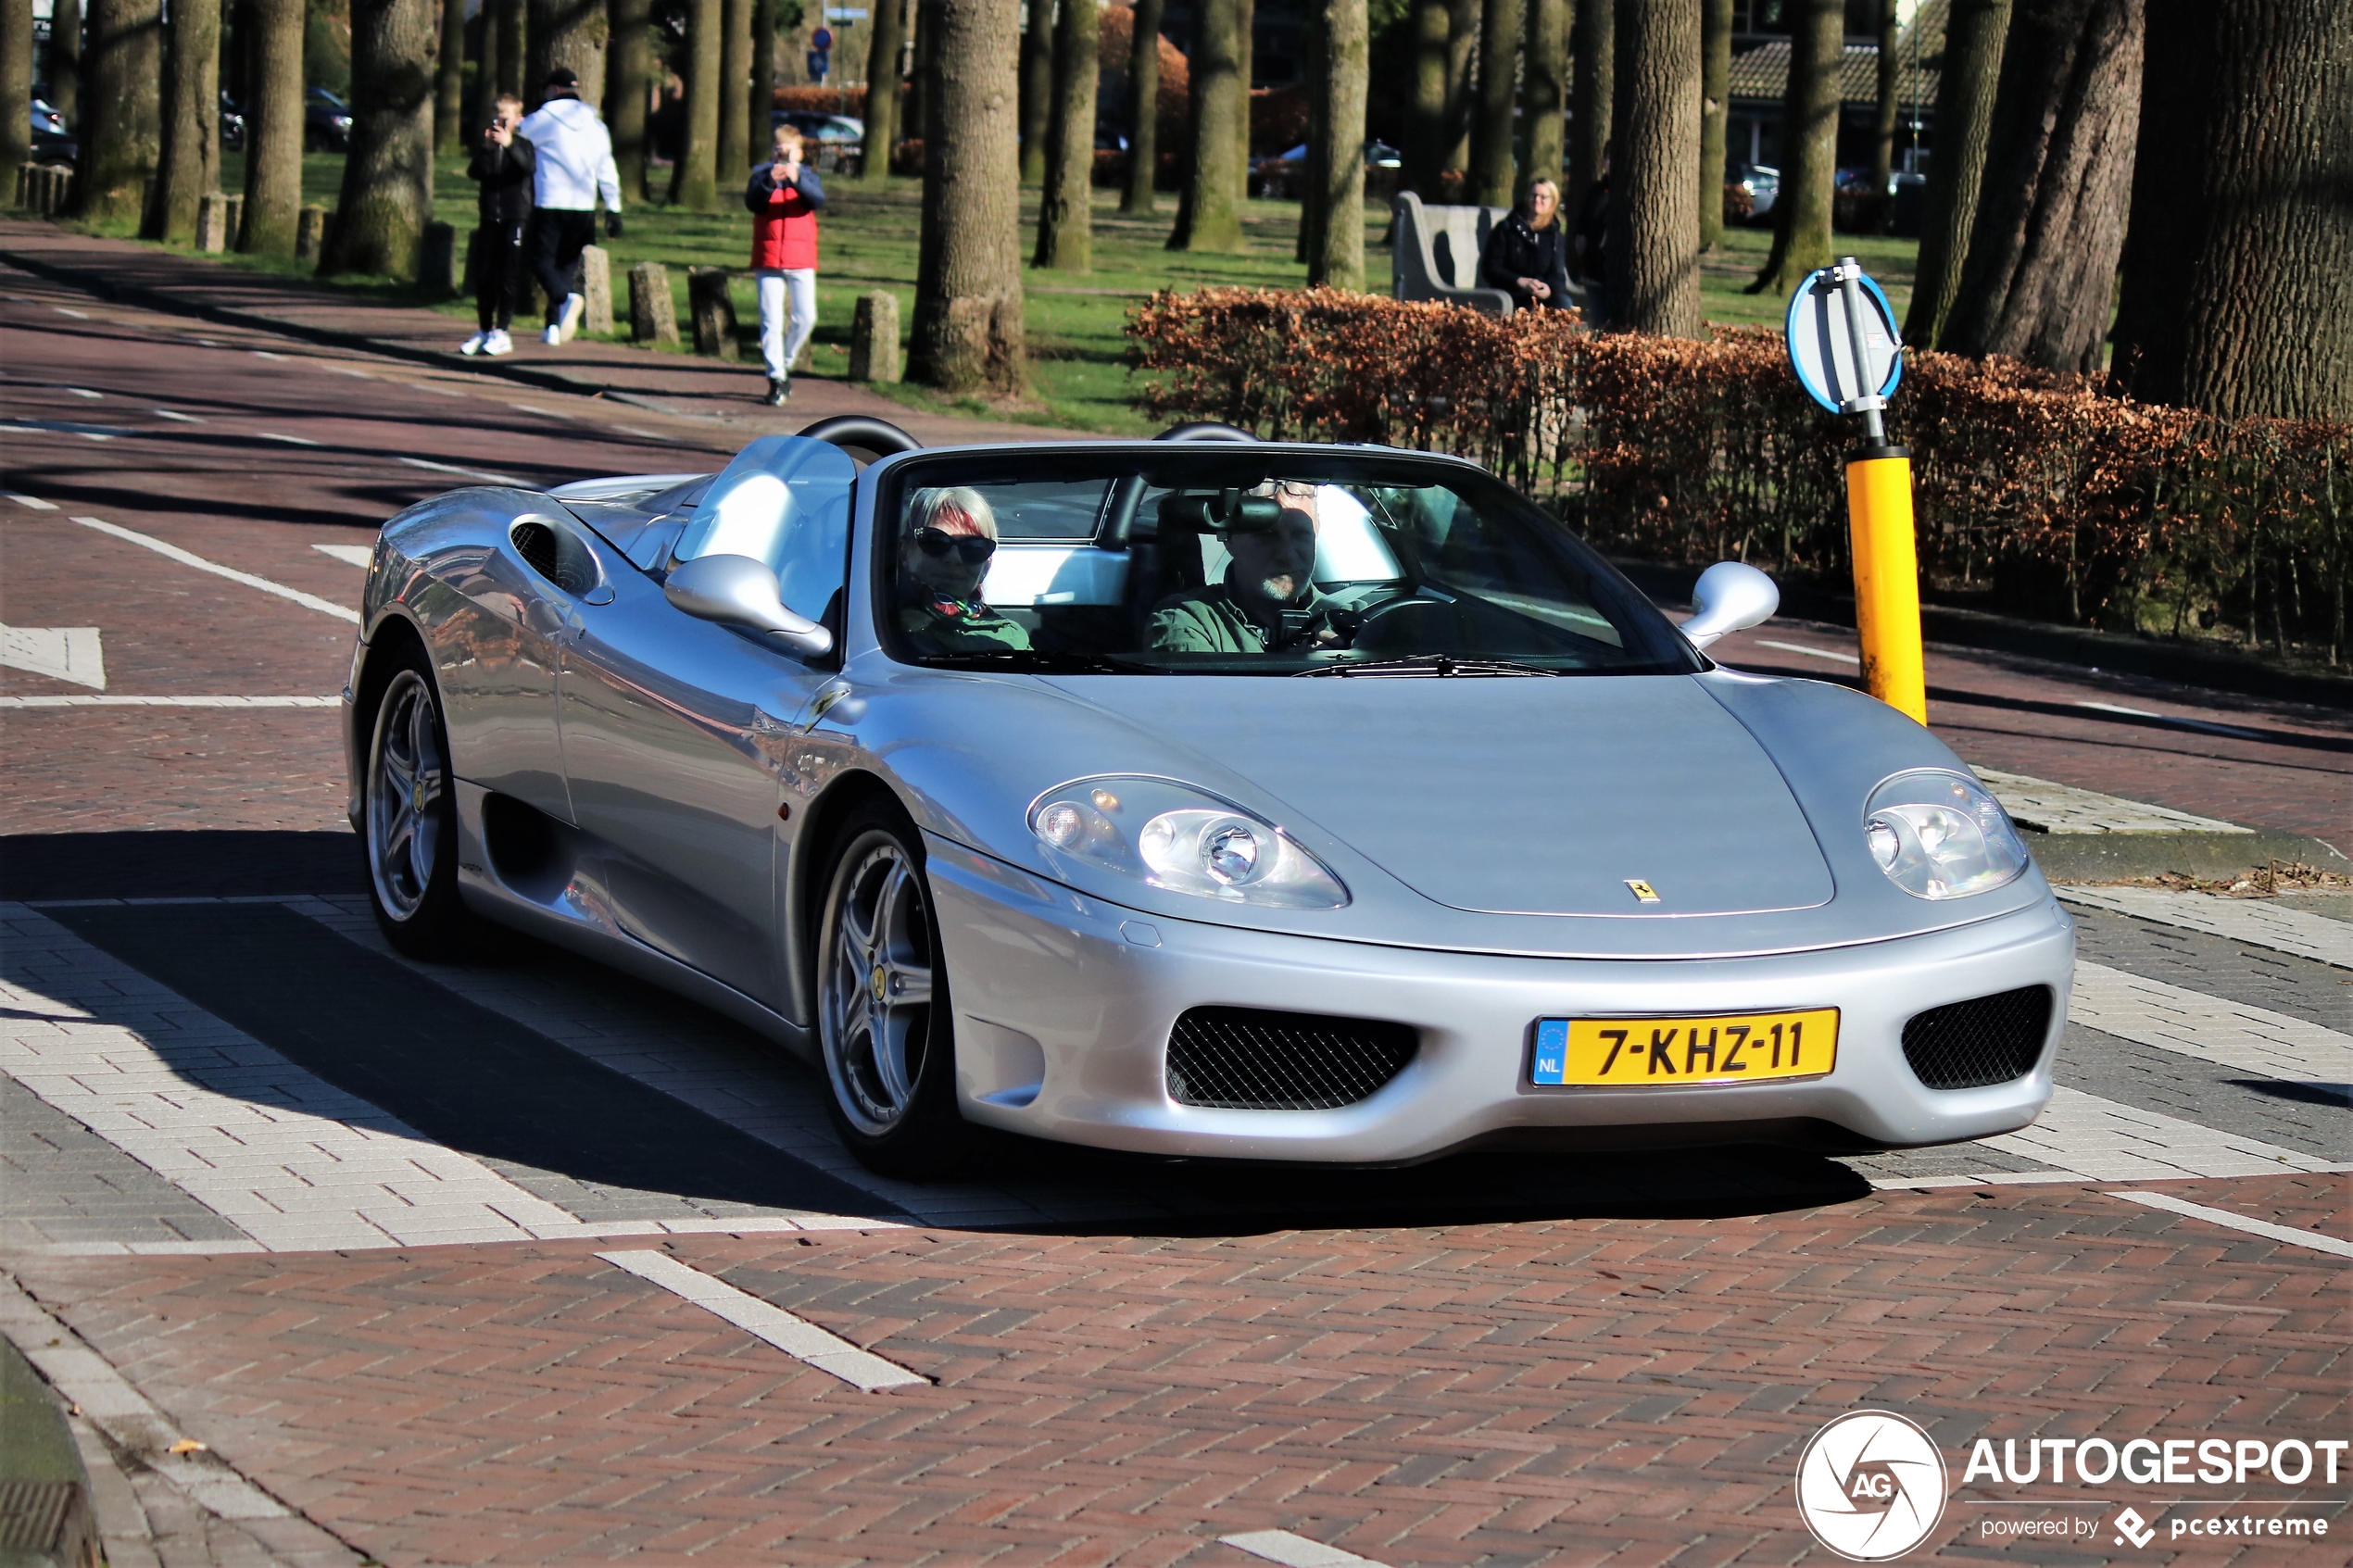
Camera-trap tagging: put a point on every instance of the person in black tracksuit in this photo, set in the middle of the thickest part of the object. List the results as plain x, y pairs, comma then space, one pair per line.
502, 166
1526, 254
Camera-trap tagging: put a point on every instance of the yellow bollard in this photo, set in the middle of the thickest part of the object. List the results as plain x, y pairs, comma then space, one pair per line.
1887, 583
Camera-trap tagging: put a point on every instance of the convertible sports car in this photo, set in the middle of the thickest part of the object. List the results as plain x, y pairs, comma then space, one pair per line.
1201, 797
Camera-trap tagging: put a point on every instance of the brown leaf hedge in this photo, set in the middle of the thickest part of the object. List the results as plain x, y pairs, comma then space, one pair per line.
2037, 493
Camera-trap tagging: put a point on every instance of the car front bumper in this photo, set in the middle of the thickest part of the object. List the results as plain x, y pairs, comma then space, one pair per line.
1063, 1005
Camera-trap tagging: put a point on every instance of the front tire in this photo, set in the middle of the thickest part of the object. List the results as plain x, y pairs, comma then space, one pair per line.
411, 818
883, 1014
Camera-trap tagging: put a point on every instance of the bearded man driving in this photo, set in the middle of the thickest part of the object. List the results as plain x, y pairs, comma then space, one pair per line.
1268, 600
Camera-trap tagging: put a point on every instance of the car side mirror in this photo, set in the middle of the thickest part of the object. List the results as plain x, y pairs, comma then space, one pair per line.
1729, 596
739, 591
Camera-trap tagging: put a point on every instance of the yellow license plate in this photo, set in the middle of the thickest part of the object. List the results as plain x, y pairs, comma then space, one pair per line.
1721, 1048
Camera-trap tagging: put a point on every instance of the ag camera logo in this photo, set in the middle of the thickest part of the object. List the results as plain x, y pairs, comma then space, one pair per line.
1871, 1486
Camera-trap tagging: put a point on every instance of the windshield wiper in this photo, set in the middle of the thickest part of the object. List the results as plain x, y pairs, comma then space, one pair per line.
1040, 661
1427, 664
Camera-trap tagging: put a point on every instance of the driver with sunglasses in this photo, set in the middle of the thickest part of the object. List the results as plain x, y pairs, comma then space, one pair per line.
952, 535
1268, 601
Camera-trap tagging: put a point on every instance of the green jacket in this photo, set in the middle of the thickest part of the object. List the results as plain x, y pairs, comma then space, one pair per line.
1211, 620
949, 626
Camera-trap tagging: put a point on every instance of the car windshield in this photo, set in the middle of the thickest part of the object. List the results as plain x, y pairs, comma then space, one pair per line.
1240, 562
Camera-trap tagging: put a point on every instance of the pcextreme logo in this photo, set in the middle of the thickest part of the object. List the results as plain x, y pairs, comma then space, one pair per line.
1870, 1485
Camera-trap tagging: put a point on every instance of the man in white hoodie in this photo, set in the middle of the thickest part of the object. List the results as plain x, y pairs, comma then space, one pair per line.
574, 164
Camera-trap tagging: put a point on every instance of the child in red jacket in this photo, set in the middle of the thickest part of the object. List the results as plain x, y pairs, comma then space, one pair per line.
784, 198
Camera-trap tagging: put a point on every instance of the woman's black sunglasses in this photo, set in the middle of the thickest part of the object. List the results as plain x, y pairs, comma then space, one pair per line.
972, 547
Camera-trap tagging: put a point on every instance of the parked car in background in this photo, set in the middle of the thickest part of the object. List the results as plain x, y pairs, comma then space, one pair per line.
233, 125
1761, 183
51, 142
326, 122
826, 130
1282, 177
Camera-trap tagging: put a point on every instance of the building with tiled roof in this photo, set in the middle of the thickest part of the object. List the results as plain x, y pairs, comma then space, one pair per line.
1760, 81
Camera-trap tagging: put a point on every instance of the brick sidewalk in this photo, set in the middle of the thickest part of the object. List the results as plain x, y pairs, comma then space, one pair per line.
1571, 1391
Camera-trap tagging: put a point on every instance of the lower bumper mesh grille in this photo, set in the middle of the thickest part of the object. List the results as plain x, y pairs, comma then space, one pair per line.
1243, 1058
1974, 1043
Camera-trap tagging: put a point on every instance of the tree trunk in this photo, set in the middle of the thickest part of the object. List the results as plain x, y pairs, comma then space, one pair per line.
1212, 218
274, 128
1143, 109
1884, 118
487, 74
1465, 21
694, 178
885, 43
728, 169
1314, 176
1594, 101
1809, 146
1338, 258
628, 79
1037, 90
514, 42
1493, 178
122, 126
64, 63
759, 123
1975, 32
1715, 113
449, 86
387, 176
2237, 298
563, 32
1066, 214
968, 331
1654, 215
1424, 147
1545, 87
2041, 272
16, 85
190, 168
921, 108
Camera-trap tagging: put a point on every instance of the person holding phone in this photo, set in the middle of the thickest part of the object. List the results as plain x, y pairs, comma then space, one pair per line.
783, 196
502, 166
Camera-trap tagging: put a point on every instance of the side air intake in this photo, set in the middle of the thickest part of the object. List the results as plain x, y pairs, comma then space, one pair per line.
1243, 1058
1974, 1043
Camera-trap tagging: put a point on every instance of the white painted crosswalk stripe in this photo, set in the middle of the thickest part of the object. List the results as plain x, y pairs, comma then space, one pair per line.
2260, 923
764, 1321
2100, 1140
1295, 1551
2239, 1034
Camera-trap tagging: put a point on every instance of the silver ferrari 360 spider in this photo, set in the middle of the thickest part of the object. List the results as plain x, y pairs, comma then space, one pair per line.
1200, 796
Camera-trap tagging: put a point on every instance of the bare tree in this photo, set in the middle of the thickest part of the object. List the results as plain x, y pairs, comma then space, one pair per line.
1715, 111
1143, 108
449, 86
122, 118
2041, 272
387, 176
274, 128
968, 331
190, 168
628, 79
1465, 21
1545, 87
1809, 146
16, 85
1424, 147
694, 180
1066, 215
562, 33
1494, 176
1336, 158
65, 62
1654, 213
1210, 217
1975, 32
885, 41
728, 169
1594, 47
2237, 296
1036, 89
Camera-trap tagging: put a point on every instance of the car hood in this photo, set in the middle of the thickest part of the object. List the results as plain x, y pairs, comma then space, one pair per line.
1514, 797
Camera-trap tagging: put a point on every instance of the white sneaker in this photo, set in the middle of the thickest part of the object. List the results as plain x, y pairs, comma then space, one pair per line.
498, 343
553, 336
576, 307
475, 343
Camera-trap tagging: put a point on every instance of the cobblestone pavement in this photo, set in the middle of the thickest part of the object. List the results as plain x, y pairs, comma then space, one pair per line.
346, 1219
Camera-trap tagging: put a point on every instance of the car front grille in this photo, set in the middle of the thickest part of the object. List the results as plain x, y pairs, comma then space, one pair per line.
1989, 1040
1243, 1058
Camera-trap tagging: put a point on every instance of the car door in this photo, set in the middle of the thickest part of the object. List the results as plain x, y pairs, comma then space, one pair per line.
677, 729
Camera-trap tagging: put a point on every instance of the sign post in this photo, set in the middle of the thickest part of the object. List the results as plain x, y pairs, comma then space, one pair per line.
1843, 346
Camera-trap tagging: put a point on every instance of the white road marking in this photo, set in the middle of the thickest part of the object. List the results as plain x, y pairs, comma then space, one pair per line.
83, 392
2063, 809
265, 354
1294, 1551
185, 558
77, 315
796, 1336
533, 408
2287, 1234
289, 440
2260, 922
183, 418
2235, 1035
2202, 725
1813, 653
2100, 1140
15, 702
105, 1396
62, 653
35, 502
352, 370
484, 475
351, 555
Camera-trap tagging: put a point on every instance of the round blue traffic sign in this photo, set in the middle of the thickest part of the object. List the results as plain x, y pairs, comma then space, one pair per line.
1844, 344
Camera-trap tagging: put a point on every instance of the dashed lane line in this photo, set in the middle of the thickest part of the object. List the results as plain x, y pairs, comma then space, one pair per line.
183, 418
2288, 1235
1295, 1551
289, 440
187, 558
483, 474
1828, 654
23, 702
2239, 1034
35, 502
2200, 725
351, 555
2260, 922
764, 1321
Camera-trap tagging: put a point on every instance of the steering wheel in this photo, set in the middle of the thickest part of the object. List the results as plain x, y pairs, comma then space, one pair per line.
1408, 624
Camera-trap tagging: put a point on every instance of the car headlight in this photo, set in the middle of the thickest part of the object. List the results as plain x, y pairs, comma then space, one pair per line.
1940, 835
1172, 835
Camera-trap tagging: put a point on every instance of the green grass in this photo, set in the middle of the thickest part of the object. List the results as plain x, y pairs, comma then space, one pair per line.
1075, 321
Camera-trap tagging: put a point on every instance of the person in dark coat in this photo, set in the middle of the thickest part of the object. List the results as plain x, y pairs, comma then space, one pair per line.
1524, 254
502, 166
